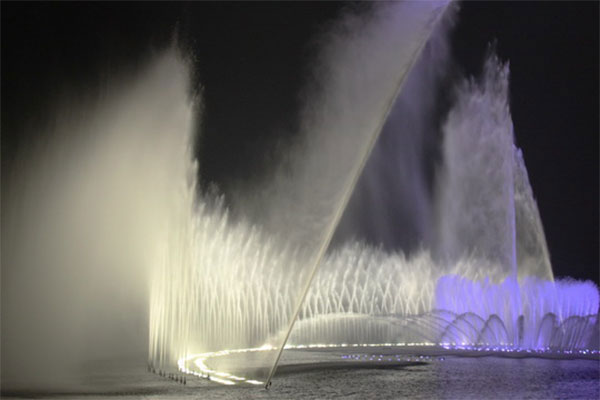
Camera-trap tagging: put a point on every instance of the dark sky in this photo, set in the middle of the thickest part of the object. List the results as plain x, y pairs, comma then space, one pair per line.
252, 60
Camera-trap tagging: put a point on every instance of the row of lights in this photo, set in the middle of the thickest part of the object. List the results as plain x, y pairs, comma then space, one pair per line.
510, 349
229, 379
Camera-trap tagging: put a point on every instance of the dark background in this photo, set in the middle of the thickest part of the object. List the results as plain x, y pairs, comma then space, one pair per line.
253, 58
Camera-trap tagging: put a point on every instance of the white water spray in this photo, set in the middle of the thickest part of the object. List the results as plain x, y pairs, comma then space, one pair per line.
85, 215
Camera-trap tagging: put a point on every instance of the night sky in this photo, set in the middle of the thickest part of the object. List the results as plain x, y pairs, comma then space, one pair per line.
252, 60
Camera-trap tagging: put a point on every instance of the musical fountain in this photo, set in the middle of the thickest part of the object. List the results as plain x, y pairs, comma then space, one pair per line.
232, 282
231, 290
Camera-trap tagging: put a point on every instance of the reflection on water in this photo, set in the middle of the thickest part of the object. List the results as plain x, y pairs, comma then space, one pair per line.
452, 378
318, 375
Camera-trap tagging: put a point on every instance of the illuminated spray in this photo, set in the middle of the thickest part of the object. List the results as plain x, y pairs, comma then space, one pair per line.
112, 200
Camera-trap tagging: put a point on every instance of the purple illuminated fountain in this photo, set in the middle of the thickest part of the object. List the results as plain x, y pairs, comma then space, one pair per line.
485, 281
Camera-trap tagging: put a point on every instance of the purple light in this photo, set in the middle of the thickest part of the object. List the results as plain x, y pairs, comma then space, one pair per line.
529, 314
